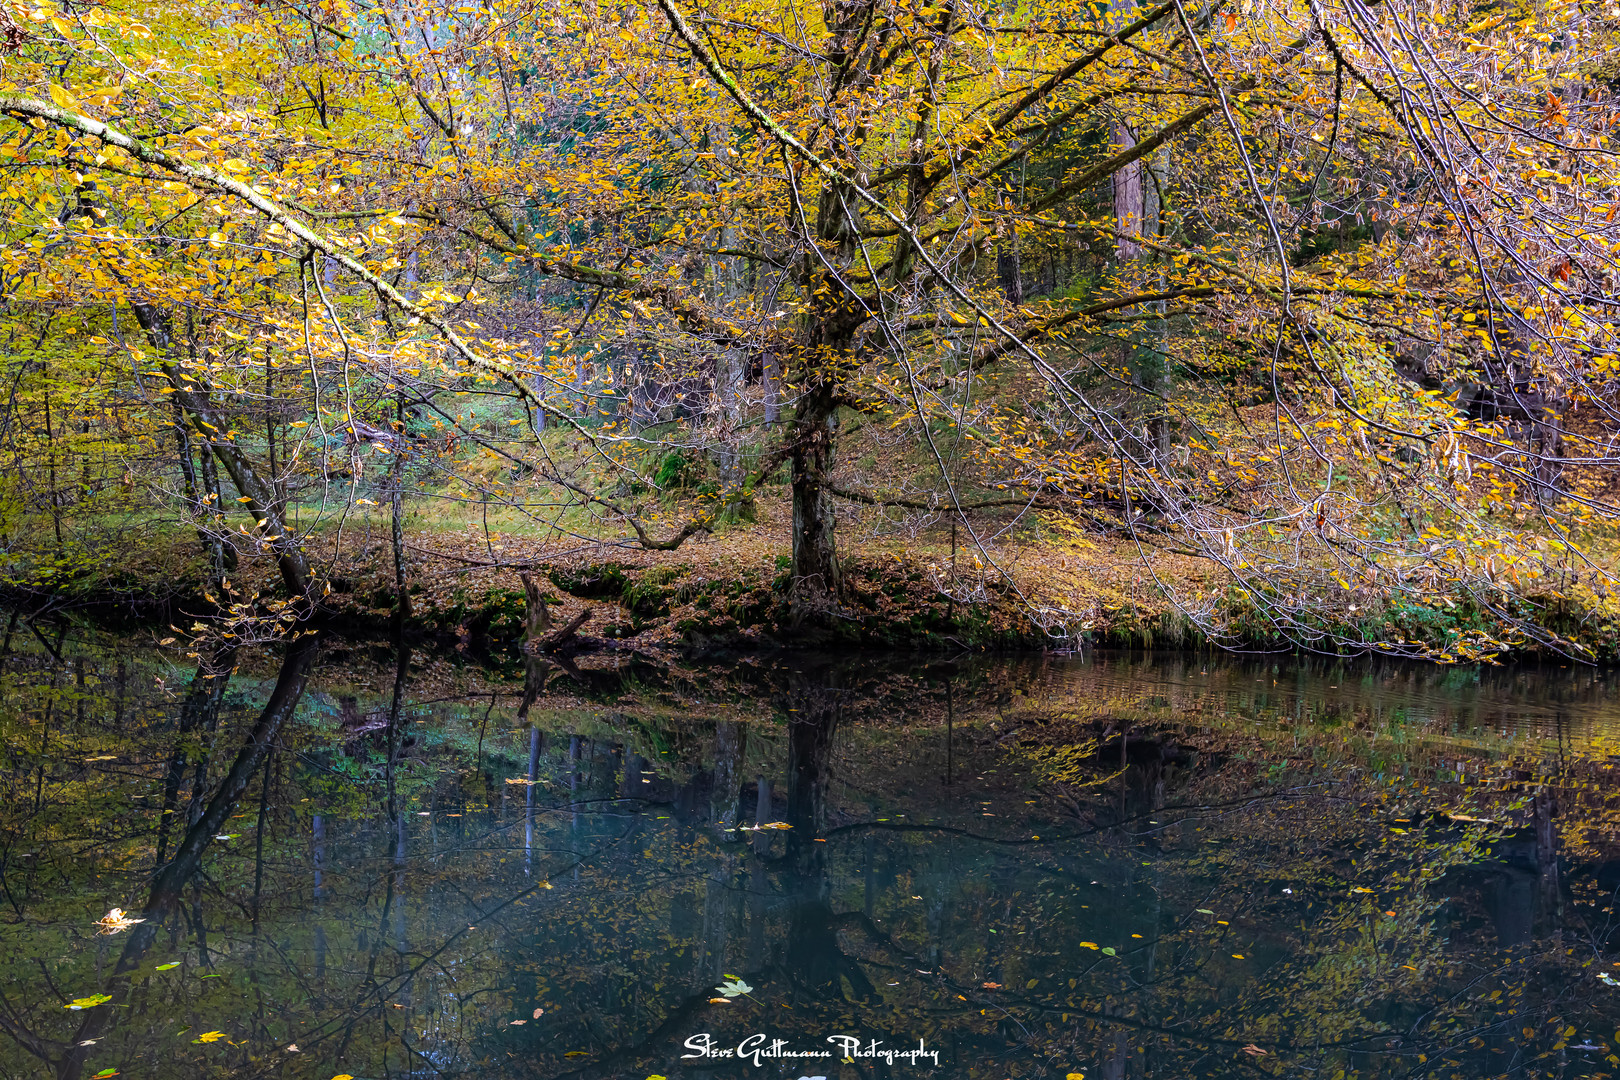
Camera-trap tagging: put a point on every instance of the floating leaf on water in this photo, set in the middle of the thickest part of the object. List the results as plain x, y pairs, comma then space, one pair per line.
519, 1023
1237, 956
115, 921
227, 836
88, 1002
538, 1013
103, 1074
719, 1001
992, 986
292, 1048
1088, 944
1205, 911
734, 988
1109, 952
170, 964
209, 1036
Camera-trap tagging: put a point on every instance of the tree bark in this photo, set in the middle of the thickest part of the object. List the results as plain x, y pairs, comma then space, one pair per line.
221, 556
539, 615
1128, 205
402, 594
817, 582
191, 396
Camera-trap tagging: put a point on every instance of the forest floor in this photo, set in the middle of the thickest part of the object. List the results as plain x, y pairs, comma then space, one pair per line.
910, 587
906, 583
910, 582
912, 579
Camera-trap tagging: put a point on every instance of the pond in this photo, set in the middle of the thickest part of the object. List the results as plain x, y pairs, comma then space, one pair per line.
349, 860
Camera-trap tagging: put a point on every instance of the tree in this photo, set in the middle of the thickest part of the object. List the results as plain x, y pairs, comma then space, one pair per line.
1325, 331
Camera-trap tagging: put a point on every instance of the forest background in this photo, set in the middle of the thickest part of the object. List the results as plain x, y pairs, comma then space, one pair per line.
1267, 323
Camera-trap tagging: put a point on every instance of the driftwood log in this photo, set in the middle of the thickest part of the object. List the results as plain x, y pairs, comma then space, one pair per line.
539, 636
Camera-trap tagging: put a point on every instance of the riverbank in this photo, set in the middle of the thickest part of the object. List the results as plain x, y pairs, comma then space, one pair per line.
720, 590
727, 591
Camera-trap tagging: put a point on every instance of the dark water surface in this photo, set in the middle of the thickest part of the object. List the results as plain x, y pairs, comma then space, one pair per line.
352, 862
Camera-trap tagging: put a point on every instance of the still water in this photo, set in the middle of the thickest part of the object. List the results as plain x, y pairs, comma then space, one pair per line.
342, 860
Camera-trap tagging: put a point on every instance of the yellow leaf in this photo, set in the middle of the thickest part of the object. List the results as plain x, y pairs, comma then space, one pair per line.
63, 99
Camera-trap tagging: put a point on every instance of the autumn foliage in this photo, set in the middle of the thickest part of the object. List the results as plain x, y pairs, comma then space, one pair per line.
1320, 294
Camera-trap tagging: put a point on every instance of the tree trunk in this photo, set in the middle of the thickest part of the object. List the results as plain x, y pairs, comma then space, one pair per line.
817, 582
1010, 263
261, 504
191, 396
729, 377
1128, 205
772, 378
396, 485
202, 508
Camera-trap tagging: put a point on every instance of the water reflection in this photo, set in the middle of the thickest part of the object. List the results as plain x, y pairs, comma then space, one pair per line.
1122, 866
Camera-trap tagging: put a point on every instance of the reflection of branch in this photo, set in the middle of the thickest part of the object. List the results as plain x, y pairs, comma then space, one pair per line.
40, 1048
671, 1023
173, 877
1192, 811
382, 990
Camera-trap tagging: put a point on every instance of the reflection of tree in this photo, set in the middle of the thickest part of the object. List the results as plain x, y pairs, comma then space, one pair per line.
813, 958
199, 712
892, 928
174, 876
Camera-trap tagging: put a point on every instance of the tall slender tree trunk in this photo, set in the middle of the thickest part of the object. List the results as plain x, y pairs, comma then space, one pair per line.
1128, 201
396, 486
817, 581
772, 378
221, 556
191, 396
50, 459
